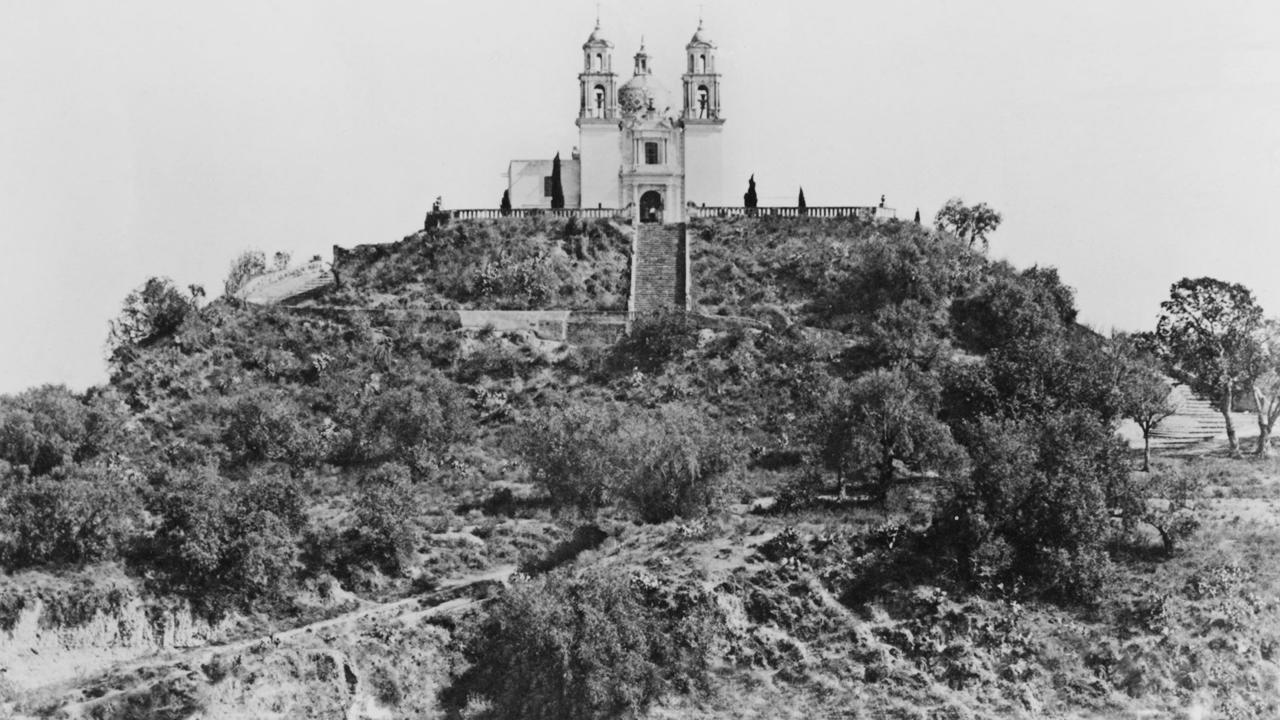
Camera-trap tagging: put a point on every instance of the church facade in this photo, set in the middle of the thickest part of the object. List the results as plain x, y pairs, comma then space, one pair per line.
640, 151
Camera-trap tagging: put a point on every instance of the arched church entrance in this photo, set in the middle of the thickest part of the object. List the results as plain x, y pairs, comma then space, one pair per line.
651, 207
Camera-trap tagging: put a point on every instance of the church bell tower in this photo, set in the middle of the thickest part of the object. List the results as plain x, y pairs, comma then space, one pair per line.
701, 82
598, 118
599, 96
703, 122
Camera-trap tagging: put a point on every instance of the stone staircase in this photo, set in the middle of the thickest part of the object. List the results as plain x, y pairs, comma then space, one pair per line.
658, 272
1196, 421
283, 287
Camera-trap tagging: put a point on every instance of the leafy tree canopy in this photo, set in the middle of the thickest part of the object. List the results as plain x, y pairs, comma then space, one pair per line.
971, 224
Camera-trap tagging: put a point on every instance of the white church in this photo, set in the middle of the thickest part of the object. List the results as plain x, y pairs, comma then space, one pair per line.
638, 150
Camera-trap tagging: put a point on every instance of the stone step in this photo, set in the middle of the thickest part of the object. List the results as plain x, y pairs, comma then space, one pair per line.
657, 261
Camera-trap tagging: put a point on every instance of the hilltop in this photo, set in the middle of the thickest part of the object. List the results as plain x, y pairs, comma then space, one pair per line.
872, 474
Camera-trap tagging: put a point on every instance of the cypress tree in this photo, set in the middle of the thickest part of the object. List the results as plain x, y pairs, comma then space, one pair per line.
557, 190
917, 216
749, 198
505, 206
800, 203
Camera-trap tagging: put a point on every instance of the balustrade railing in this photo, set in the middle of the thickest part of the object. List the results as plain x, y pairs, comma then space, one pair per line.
492, 213
862, 213
849, 211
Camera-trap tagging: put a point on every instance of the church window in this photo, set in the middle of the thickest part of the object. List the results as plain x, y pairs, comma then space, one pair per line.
595, 64
704, 101
598, 108
702, 63
651, 156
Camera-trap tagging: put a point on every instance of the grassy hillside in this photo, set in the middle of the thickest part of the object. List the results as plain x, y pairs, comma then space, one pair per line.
905, 500
523, 264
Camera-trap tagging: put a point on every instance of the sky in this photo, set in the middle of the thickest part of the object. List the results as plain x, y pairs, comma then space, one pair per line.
1129, 144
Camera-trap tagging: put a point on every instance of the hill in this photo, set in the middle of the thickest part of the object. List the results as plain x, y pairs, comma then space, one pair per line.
887, 485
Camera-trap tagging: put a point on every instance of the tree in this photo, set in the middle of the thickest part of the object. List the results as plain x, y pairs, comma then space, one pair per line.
504, 207
220, 541
749, 199
384, 510
917, 220
804, 209
676, 459
280, 261
1147, 402
596, 646
81, 517
571, 453
883, 419
1208, 334
1266, 385
157, 308
250, 264
1038, 503
969, 224
557, 189
1012, 306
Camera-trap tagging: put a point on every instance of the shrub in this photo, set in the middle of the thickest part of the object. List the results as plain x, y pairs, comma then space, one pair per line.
1040, 488
663, 463
81, 518
880, 420
1013, 306
250, 264
264, 428
384, 511
49, 427
226, 542
601, 645
413, 421
154, 309
572, 453
677, 463
1167, 502
655, 340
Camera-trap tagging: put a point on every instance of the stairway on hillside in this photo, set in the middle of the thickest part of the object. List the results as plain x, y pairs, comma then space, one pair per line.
1197, 420
658, 272
281, 288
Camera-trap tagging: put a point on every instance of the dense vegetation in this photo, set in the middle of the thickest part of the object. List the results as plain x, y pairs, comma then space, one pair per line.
942, 413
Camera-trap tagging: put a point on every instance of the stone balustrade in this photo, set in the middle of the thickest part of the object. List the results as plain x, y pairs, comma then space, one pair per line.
847, 211
705, 211
493, 213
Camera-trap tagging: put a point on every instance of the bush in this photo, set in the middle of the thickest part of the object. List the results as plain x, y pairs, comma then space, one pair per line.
601, 645
654, 340
662, 463
384, 511
49, 427
1012, 306
880, 420
249, 265
1039, 489
225, 542
414, 421
156, 308
677, 463
1167, 503
573, 453
77, 519
265, 428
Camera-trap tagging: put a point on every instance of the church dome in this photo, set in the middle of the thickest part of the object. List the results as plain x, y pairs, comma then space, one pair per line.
597, 38
700, 36
641, 93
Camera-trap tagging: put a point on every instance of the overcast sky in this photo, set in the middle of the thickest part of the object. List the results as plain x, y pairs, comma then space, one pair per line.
1127, 143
